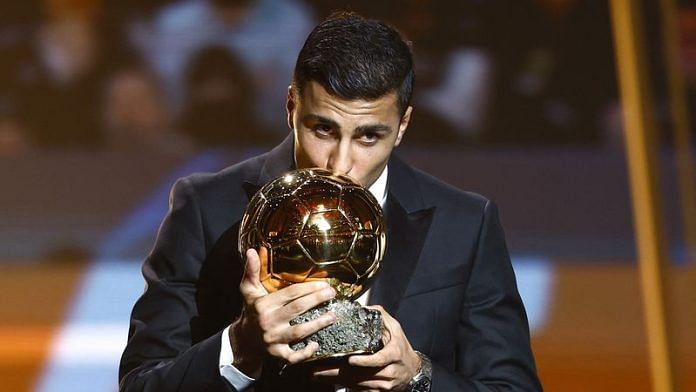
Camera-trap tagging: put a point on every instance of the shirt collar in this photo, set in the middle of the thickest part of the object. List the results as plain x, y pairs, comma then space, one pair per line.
379, 187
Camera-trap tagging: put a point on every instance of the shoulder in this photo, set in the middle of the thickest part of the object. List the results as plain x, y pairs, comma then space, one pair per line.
219, 199
438, 193
231, 176
219, 191
436, 188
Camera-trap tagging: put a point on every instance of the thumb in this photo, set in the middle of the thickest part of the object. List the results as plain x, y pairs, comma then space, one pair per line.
250, 286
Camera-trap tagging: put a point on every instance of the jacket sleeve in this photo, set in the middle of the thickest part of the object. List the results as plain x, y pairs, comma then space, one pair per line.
493, 347
160, 354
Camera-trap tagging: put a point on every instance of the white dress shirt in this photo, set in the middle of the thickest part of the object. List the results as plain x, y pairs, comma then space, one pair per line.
234, 376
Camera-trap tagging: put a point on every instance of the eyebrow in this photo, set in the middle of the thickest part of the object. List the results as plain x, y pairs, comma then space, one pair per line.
320, 119
378, 128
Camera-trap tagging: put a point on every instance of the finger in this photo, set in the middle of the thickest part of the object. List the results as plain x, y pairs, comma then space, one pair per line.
301, 331
374, 385
300, 290
389, 323
290, 293
284, 352
378, 359
330, 372
386, 356
303, 354
250, 287
300, 305
379, 308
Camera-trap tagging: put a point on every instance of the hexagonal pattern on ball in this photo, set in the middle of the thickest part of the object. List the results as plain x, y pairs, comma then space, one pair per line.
316, 225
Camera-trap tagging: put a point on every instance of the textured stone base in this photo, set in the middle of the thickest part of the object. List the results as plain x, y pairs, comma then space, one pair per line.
357, 330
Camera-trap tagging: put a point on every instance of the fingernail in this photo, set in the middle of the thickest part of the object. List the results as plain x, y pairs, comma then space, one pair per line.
330, 317
328, 293
322, 284
313, 348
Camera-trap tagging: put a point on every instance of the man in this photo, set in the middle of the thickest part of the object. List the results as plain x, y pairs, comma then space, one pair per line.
446, 288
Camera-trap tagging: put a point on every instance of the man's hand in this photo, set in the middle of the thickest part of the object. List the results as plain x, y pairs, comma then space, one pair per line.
389, 369
264, 326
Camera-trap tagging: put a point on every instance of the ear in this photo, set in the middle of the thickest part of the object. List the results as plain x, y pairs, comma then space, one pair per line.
405, 120
290, 106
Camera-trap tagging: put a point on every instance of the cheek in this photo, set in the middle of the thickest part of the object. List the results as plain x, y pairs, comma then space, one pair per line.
312, 152
369, 163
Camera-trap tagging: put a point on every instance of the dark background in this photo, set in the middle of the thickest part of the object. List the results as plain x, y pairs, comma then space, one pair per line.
104, 103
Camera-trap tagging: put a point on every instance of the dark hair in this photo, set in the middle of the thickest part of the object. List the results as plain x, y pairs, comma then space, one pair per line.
356, 58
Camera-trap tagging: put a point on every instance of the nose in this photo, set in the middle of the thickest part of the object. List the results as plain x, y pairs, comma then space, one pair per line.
340, 159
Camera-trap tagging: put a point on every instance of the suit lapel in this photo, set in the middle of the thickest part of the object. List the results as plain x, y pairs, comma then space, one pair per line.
405, 237
250, 189
408, 221
278, 161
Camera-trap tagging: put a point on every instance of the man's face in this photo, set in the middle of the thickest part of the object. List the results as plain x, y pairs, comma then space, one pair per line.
352, 137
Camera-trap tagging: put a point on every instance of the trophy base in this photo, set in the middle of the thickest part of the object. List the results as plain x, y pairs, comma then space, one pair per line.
357, 330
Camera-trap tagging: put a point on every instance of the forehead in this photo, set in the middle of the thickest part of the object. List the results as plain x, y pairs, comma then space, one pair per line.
316, 100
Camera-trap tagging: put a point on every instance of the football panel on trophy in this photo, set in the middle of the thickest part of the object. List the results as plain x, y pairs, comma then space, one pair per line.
321, 194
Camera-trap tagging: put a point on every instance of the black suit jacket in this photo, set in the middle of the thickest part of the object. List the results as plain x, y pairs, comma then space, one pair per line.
446, 278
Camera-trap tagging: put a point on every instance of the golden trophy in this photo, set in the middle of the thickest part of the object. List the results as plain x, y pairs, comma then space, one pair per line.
319, 225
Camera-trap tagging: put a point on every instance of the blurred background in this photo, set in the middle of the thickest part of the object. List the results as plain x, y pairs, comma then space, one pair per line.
105, 103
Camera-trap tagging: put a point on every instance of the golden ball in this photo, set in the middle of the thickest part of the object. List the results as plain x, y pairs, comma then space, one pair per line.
315, 225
